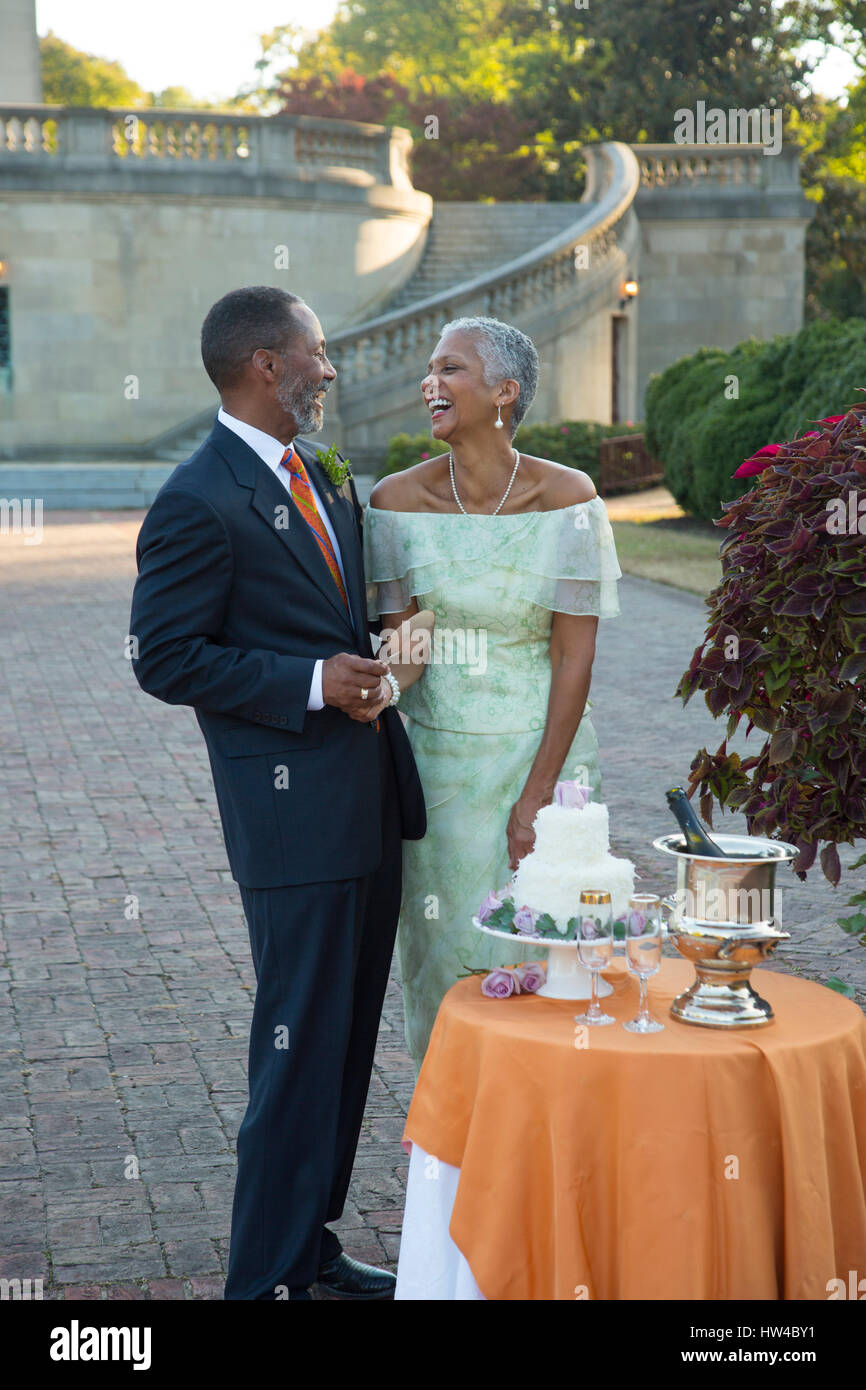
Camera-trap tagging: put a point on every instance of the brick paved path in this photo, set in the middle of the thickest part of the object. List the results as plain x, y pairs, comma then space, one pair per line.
123, 1037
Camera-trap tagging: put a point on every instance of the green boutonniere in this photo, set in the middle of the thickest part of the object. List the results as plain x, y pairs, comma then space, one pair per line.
337, 470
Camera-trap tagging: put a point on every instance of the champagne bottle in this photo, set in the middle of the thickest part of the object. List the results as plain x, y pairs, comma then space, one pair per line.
698, 841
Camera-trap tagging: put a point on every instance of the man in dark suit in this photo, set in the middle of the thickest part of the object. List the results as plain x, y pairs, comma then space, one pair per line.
249, 606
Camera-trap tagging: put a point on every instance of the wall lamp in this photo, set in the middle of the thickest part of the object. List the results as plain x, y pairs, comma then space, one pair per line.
630, 291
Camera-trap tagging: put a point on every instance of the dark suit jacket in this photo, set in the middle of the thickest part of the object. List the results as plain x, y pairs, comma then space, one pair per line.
232, 607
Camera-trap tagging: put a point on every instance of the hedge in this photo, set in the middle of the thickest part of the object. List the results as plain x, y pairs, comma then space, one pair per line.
701, 437
575, 443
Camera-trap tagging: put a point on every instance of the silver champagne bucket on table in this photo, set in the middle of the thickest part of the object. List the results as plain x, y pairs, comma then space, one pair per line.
723, 920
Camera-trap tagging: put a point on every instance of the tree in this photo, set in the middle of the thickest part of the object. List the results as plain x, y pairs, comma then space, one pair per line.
648, 58
431, 46
459, 144
616, 70
834, 174
73, 78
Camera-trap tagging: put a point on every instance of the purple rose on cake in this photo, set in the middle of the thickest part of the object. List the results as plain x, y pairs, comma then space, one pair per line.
525, 920
489, 906
571, 794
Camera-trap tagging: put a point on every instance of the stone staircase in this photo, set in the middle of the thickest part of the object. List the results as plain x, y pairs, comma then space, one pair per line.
467, 239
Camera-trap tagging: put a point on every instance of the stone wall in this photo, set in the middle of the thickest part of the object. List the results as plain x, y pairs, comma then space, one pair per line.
113, 261
722, 249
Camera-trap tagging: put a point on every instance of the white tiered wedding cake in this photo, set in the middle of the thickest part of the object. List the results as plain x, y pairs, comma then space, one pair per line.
572, 853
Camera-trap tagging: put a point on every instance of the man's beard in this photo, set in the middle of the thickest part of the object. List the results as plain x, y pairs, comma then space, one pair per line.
299, 400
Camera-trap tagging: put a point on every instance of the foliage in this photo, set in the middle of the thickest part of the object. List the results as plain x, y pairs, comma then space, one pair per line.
547, 76
833, 166
73, 78
785, 646
856, 924
472, 144
655, 57
697, 427
574, 443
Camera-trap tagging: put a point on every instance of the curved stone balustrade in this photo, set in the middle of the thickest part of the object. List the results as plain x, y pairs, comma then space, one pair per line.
95, 139
731, 170
662, 166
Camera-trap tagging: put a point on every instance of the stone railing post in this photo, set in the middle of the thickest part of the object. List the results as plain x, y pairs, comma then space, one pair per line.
85, 140
272, 147
398, 146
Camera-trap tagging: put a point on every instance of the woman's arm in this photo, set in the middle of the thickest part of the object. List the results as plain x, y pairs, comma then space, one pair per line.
572, 649
406, 655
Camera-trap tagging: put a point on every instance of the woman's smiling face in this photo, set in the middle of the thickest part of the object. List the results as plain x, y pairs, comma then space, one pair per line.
454, 388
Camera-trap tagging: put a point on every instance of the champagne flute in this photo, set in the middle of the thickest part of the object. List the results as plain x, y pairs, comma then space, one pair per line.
594, 947
643, 950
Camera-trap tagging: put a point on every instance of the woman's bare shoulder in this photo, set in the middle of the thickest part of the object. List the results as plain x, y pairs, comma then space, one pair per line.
405, 491
562, 486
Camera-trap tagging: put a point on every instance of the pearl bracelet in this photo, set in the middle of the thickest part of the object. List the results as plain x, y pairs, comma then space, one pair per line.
392, 680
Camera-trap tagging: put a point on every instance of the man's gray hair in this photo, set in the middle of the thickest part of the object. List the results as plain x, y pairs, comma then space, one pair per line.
506, 353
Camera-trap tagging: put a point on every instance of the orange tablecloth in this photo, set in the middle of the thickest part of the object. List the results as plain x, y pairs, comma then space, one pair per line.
693, 1163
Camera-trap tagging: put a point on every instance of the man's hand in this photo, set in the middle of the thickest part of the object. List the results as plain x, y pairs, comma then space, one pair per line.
344, 676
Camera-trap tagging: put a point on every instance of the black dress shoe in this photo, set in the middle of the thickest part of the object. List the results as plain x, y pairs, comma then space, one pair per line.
348, 1278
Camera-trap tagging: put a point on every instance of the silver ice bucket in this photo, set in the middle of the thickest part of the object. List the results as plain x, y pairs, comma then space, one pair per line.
723, 919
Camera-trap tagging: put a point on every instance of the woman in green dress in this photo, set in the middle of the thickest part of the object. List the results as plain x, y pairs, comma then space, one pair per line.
516, 558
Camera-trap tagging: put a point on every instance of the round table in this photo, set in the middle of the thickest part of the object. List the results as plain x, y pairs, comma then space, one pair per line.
694, 1163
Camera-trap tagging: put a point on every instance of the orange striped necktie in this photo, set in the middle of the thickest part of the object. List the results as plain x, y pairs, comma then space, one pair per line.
302, 495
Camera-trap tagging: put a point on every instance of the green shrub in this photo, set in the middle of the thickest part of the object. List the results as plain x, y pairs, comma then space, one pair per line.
574, 443
701, 436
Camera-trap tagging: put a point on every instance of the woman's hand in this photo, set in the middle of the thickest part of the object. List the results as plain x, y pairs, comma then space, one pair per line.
572, 647
519, 831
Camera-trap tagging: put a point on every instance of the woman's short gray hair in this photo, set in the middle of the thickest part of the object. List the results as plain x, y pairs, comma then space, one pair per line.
506, 353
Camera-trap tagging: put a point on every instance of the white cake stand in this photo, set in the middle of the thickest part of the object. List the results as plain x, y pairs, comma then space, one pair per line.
566, 978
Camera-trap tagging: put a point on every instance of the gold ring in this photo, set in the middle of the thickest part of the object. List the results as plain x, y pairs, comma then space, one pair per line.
364, 693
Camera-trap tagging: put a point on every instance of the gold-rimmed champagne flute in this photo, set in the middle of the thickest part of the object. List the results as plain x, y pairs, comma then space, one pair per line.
594, 947
643, 953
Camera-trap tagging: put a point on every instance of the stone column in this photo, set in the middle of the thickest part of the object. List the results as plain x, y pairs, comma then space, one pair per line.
20, 67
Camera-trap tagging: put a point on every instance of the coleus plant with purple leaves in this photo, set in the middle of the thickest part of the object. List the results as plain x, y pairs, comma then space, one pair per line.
785, 648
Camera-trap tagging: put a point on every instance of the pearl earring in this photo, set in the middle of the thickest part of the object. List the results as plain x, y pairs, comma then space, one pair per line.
498, 422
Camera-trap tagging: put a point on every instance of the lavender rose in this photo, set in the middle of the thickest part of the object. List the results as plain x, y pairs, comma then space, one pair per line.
531, 976
571, 794
525, 920
588, 929
489, 906
499, 984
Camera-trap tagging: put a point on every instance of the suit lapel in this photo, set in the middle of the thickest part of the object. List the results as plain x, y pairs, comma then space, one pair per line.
341, 515
274, 504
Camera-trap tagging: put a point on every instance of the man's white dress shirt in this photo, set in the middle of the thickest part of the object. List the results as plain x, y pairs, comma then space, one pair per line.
271, 451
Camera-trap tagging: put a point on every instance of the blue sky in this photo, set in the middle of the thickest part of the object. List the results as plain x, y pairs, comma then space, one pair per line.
211, 46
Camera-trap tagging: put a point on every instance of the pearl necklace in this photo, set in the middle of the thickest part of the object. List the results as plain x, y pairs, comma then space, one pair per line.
504, 495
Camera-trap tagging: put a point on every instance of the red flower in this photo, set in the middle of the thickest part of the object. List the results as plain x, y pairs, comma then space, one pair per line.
758, 462
761, 460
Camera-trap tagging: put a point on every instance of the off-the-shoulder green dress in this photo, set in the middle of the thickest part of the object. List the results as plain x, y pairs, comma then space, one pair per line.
476, 716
